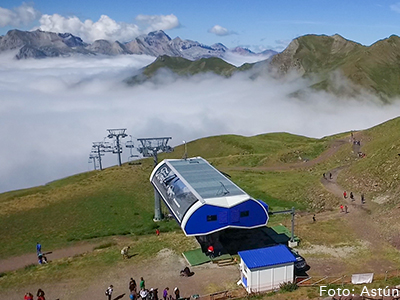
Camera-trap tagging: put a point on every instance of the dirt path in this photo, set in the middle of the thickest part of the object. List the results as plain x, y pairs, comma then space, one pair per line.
18, 262
332, 149
159, 272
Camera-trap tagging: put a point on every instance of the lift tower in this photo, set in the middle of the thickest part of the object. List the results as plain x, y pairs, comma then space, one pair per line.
117, 134
150, 147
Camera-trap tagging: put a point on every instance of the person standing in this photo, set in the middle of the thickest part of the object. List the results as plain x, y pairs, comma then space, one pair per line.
132, 285
344, 195
345, 209
40, 294
351, 196
341, 208
362, 199
109, 292
177, 294
142, 284
165, 293
38, 248
313, 218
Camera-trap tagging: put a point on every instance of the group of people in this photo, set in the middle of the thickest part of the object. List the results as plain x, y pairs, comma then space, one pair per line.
39, 294
144, 293
327, 176
352, 197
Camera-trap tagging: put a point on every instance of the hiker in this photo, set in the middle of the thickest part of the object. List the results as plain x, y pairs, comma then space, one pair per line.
132, 295
210, 251
153, 294
42, 259
28, 296
186, 272
38, 248
40, 294
341, 208
324, 175
176, 292
143, 294
124, 252
351, 196
345, 209
362, 199
142, 285
109, 292
313, 218
330, 175
157, 232
344, 195
132, 285
165, 293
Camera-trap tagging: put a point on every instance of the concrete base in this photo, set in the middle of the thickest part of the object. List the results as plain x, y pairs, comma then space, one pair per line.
292, 244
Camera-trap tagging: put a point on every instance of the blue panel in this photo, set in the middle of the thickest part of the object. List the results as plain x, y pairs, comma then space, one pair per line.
270, 256
223, 217
244, 280
197, 223
235, 215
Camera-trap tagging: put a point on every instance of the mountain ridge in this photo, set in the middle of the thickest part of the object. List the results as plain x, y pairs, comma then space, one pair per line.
41, 44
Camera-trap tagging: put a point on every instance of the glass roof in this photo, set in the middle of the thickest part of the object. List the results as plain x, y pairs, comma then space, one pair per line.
205, 179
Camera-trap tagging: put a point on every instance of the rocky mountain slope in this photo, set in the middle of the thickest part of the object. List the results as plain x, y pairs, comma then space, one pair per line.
372, 68
330, 63
41, 44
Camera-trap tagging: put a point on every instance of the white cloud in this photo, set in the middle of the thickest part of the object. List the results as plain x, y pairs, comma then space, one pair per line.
106, 28
158, 22
395, 7
21, 15
220, 31
57, 107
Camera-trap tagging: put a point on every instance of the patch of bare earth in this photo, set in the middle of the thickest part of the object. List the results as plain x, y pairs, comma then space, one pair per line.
159, 272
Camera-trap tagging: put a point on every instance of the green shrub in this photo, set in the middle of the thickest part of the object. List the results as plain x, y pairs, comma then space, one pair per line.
288, 286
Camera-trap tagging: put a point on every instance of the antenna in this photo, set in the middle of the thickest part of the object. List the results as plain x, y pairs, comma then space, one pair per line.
185, 155
116, 134
150, 147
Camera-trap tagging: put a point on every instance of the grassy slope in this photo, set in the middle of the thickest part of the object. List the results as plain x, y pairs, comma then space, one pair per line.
119, 201
96, 191
379, 173
184, 67
375, 68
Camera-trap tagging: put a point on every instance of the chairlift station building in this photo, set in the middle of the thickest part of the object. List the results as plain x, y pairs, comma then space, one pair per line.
203, 200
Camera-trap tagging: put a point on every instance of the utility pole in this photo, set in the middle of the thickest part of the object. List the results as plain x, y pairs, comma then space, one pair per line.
185, 155
150, 147
117, 134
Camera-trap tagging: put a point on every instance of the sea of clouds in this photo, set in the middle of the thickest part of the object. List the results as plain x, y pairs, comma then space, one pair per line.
53, 109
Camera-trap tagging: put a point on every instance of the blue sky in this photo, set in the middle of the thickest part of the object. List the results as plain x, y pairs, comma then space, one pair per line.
257, 24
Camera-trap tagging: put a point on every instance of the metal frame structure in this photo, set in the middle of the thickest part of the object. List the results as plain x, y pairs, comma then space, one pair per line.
150, 148
117, 134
